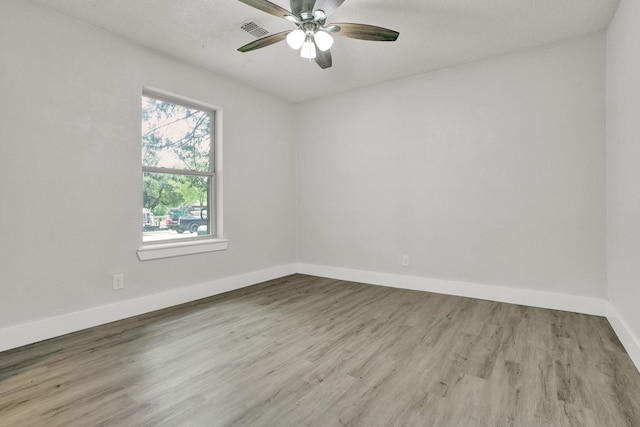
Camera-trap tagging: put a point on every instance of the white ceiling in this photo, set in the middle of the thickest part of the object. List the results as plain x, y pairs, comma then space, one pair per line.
434, 34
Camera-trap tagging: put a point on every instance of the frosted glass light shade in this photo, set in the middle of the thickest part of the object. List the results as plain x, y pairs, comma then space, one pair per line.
308, 50
324, 41
295, 39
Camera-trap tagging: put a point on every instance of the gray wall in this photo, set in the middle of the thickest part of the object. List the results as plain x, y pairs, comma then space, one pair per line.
489, 173
70, 179
623, 162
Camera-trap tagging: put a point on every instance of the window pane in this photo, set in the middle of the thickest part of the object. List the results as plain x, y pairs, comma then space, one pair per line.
175, 206
174, 136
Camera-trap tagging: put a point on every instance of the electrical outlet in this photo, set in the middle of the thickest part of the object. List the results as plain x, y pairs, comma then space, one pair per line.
405, 260
118, 282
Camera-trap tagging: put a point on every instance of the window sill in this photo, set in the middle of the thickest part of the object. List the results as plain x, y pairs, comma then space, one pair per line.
174, 249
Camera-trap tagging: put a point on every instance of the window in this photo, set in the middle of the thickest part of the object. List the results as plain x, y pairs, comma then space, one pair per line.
180, 184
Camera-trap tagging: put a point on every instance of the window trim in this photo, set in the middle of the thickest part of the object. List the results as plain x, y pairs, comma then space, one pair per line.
200, 244
184, 247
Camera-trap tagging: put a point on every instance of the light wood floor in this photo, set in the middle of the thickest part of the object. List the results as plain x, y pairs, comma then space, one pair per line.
304, 350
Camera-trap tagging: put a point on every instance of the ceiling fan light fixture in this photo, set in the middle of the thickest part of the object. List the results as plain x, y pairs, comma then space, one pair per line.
319, 15
324, 41
295, 39
312, 32
308, 50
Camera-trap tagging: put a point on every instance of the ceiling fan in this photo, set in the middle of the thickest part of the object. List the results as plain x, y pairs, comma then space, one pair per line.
313, 35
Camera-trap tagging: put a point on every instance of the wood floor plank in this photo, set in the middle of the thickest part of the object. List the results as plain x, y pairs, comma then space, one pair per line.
312, 351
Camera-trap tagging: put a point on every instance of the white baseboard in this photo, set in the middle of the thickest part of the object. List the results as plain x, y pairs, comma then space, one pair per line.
552, 300
557, 301
626, 336
28, 333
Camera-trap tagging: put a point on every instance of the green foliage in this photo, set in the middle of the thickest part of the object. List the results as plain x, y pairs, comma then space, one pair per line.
161, 210
177, 138
161, 190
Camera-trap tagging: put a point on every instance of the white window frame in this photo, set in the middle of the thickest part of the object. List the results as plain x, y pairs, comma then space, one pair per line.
213, 242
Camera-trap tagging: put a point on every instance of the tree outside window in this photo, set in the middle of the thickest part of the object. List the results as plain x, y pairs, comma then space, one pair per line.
177, 166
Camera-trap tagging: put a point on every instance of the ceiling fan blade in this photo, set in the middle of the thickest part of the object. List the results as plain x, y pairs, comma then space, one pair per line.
264, 42
328, 6
323, 59
300, 6
366, 32
267, 6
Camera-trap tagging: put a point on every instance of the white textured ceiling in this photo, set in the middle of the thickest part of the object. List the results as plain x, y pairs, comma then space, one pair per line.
434, 34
